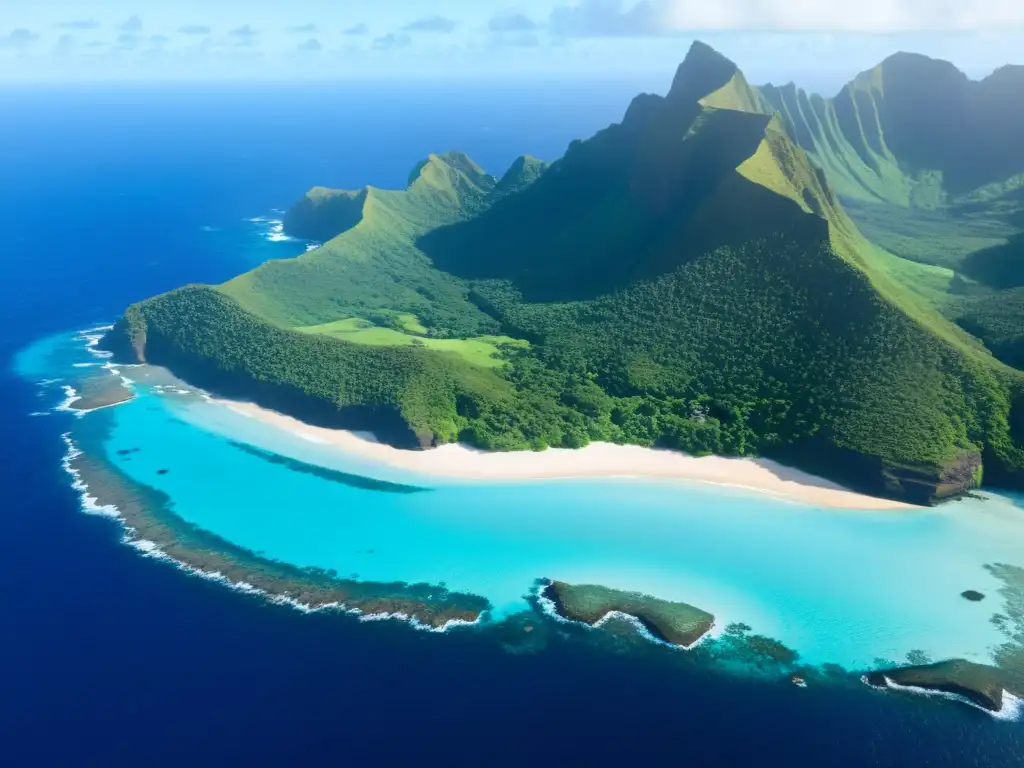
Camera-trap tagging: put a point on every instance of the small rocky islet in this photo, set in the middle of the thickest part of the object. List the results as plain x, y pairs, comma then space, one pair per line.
671, 622
978, 683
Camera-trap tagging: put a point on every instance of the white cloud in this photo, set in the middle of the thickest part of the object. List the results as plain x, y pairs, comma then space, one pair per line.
611, 18
649, 18
245, 36
391, 41
512, 22
19, 37
65, 44
430, 24
515, 40
128, 40
79, 24
846, 16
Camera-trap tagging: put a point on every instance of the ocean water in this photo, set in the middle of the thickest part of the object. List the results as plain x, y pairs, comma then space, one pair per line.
112, 658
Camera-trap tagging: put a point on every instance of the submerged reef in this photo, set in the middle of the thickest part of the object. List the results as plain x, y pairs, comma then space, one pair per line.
324, 473
675, 623
979, 683
982, 684
154, 528
101, 391
1009, 657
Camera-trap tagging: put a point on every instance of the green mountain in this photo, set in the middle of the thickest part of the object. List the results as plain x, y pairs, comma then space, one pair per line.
686, 278
913, 131
930, 165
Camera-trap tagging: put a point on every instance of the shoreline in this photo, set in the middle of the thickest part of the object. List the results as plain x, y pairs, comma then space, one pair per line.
597, 460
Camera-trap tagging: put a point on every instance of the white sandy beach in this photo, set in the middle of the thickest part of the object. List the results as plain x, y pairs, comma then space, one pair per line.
596, 460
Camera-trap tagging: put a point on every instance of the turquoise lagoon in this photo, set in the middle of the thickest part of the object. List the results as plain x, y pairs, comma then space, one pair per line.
838, 586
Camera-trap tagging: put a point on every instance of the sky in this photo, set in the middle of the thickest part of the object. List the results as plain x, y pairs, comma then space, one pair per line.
820, 44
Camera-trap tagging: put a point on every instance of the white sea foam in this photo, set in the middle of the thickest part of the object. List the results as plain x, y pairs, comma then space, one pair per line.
312, 246
90, 504
116, 371
276, 232
85, 365
39, 413
91, 337
147, 548
257, 220
70, 396
1012, 705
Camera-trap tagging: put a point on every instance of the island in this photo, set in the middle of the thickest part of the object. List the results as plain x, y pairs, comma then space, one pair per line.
730, 270
981, 684
671, 622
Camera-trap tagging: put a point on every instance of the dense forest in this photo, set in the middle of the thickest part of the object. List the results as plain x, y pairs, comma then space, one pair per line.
686, 279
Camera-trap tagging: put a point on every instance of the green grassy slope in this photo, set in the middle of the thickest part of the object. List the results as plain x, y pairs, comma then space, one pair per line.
483, 351
374, 265
686, 278
912, 131
930, 164
830, 131
208, 337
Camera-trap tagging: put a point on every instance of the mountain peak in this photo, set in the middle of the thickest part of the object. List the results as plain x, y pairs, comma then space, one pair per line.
911, 65
703, 71
522, 173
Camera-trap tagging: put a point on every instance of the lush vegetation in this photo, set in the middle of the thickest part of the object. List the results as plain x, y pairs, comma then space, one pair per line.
931, 167
912, 131
998, 320
208, 335
685, 279
484, 351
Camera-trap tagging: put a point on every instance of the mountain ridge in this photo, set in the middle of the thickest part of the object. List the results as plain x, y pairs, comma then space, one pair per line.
685, 278
868, 136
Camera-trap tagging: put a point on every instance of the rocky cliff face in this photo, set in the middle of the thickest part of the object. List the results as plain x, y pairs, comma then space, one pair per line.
324, 213
924, 484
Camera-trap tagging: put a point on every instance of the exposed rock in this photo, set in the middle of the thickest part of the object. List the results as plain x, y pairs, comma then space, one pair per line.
972, 595
324, 213
923, 484
675, 623
101, 391
978, 683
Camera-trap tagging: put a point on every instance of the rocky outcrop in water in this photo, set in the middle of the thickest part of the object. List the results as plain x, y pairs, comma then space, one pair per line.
979, 683
101, 391
673, 622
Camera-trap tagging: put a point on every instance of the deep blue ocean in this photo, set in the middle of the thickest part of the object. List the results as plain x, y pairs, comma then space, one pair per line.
111, 194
